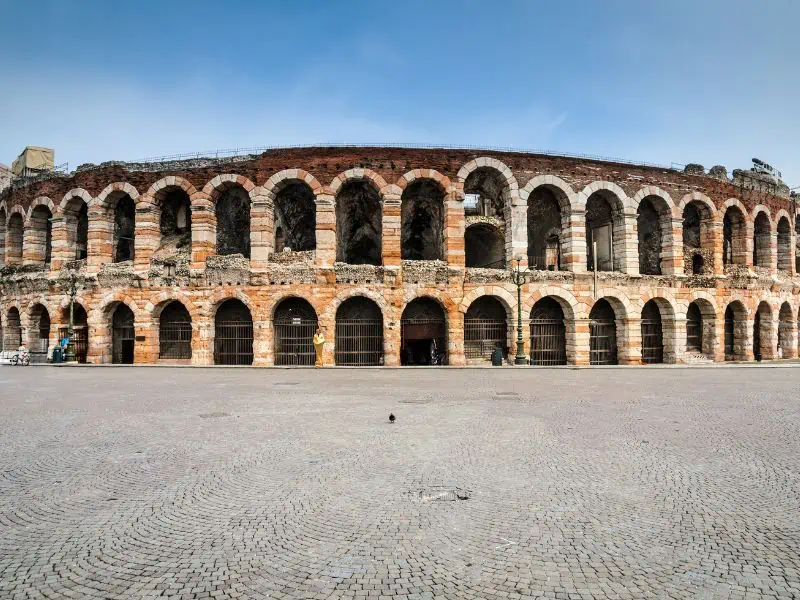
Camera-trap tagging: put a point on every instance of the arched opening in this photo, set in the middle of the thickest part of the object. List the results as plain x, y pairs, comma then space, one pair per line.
602, 334
175, 223
734, 238
423, 333
762, 333
232, 211
359, 333
295, 325
80, 330
761, 240
175, 332
13, 330
605, 231
39, 333
650, 217
694, 328
548, 333
422, 221
76, 218
698, 239
41, 235
784, 245
484, 247
485, 328
545, 227
14, 236
484, 193
296, 216
652, 334
122, 336
358, 224
233, 334
735, 331
3, 219
797, 244
785, 332
124, 229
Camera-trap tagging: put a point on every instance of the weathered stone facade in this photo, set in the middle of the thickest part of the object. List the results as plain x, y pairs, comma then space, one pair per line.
144, 250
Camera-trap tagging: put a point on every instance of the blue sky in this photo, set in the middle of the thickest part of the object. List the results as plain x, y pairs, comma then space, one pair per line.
708, 81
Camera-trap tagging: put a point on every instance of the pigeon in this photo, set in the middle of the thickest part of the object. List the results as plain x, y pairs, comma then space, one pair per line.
391, 418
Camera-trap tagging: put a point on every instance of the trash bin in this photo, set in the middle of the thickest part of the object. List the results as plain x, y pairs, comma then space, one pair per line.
497, 357
57, 357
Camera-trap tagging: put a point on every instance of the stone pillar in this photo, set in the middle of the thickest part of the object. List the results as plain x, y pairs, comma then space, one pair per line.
769, 339
628, 247
202, 339
143, 351
743, 339
99, 245
718, 345
34, 242
391, 343
672, 246
573, 247
454, 229
517, 241
748, 244
455, 338
712, 237
262, 343
328, 326
391, 235
147, 238
326, 230
674, 338
262, 230
773, 252
579, 353
60, 249
629, 340
204, 230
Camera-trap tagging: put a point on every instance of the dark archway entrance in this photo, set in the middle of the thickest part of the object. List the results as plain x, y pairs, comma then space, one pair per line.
233, 334
652, 334
694, 328
422, 221
175, 332
359, 333
485, 328
484, 247
80, 330
548, 333
423, 333
295, 325
13, 330
602, 334
358, 224
39, 333
232, 210
122, 336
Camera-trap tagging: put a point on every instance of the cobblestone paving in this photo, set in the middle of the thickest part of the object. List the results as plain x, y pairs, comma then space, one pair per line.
226, 483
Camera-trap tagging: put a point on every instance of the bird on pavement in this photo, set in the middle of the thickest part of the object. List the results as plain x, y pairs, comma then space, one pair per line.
391, 418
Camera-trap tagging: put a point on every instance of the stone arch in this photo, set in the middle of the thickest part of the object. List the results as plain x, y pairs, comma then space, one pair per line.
487, 162
570, 307
15, 234
698, 216
359, 219
357, 174
488, 323
293, 199
701, 327
762, 236
38, 236
294, 321
233, 333
424, 333
115, 189
74, 208
39, 329
118, 319
736, 334
232, 200
220, 183
734, 233
657, 192
550, 202
700, 198
359, 325
157, 303
174, 329
328, 313
787, 331
274, 184
423, 216
508, 299
785, 254
214, 300
12, 326
657, 244
619, 301
411, 176
606, 205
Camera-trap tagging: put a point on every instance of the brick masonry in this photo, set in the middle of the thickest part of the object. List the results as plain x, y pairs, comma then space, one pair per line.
26, 281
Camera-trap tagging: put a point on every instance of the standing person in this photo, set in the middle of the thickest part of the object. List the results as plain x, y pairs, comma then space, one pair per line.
319, 344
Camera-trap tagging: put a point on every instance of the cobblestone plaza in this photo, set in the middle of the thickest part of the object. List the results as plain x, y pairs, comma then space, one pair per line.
505, 483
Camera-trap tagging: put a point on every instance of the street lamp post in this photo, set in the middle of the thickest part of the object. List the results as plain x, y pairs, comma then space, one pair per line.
519, 277
70, 356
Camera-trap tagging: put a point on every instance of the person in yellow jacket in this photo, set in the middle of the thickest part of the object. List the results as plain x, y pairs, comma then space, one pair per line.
319, 344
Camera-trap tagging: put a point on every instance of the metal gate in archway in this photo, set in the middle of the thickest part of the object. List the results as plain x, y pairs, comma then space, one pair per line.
602, 342
122, 336
548, 334
652, 335
295, 325
359, 342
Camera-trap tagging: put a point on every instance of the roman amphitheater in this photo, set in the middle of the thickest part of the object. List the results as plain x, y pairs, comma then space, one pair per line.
401, 256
